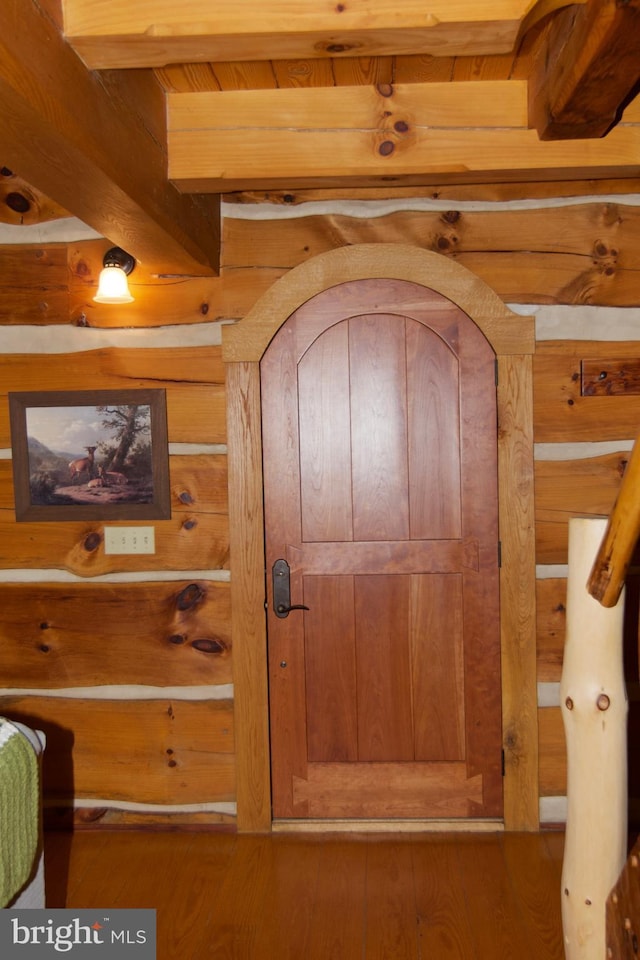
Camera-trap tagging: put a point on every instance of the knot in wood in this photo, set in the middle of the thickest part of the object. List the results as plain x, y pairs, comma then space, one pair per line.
17, 202
209, 645
386, 148
569, 703
190, 596
603, 702
92, 542
385, 89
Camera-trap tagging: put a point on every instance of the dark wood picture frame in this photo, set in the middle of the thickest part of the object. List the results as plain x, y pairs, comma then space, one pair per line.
46, 485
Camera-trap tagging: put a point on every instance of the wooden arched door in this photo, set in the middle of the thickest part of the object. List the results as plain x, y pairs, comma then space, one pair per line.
381, 509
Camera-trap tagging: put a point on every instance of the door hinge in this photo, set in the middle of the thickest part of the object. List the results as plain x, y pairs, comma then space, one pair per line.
504, 763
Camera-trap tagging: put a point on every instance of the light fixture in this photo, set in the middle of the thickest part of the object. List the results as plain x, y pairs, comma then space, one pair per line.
112, 285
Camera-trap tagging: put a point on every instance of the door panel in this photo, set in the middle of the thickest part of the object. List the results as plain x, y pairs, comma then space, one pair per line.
379, 440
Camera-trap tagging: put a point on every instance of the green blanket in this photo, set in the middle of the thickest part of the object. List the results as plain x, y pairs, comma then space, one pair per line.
19, 810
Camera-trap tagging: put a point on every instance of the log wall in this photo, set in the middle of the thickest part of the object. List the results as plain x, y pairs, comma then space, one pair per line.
127, 661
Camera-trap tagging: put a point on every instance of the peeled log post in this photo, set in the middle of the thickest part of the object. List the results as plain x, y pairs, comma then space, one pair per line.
610, 566
594, 712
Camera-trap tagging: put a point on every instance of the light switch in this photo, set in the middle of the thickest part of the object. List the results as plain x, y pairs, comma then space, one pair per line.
129, 540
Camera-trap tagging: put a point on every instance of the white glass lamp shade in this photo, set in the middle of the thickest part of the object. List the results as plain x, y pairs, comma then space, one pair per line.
113, 286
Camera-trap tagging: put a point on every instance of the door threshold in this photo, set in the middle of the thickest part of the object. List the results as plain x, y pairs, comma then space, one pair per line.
388, 826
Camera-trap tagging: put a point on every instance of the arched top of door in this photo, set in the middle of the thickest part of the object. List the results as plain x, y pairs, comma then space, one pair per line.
507, 332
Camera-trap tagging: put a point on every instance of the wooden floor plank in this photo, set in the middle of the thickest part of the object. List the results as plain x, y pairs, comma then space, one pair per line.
235, 917
492, 905
287, 908
536, 884
444, 930
96, 867
338, 922
391, 929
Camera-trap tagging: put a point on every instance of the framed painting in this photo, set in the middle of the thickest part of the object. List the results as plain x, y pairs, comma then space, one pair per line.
90, 455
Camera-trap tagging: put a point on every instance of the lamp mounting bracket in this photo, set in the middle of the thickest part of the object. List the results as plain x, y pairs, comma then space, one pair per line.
117, 257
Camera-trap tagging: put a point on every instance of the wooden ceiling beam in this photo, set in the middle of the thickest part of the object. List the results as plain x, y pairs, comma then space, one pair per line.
154, 33
407, 133
91, 142
586, 70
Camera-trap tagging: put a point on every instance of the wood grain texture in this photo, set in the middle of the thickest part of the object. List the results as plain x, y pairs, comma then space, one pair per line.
566, 488
603, 229
553, 753
153, 751
77, 635
322, 897
517, 598
151, 37
583, 46
608, 377
246, 541
581, 253
191, 377
561, 413
551, 599
509, 934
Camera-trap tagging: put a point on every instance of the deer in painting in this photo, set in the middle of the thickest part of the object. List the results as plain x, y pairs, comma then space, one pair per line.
82, 465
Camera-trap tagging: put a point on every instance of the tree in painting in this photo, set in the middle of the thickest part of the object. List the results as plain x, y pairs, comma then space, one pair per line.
130, 430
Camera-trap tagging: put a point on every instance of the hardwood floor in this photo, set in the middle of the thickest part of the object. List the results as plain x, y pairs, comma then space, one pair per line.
220, 896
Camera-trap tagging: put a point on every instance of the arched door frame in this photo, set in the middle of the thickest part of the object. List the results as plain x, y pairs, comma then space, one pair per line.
512, 338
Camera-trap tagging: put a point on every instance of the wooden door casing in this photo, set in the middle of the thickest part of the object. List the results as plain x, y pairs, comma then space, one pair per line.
409, 554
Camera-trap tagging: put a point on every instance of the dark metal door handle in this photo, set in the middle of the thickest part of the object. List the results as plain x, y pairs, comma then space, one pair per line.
282, 606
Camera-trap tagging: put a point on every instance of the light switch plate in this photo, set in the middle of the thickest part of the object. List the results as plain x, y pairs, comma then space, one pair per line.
129, 540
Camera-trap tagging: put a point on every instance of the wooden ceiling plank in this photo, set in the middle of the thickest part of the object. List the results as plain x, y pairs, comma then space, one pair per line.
586, 70
250, 75
349, 71
82, 140
423, 69
154, 33
303, 73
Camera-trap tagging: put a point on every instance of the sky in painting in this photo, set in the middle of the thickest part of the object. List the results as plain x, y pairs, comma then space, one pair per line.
65, 429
